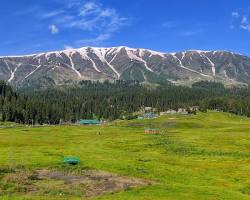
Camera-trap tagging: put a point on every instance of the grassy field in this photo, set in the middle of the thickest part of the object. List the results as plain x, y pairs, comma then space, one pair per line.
205, 156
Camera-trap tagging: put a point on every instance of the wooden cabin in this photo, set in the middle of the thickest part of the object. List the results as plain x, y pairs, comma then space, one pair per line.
152, 131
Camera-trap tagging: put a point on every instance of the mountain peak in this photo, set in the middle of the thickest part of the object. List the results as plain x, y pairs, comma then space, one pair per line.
101, 63
118, 48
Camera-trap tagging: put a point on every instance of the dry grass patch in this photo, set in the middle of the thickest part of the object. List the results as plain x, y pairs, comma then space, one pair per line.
88, 183
95, 182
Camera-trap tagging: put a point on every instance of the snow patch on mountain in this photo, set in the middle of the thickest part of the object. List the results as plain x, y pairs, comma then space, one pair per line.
12, 76
113, 63
182, 66
84, 55
133, 56
101, 55
69, 55
32, 72
212, 64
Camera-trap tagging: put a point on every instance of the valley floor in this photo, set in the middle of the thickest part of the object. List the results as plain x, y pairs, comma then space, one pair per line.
204, 156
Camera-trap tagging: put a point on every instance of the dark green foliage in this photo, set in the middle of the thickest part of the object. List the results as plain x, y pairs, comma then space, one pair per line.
133, 74
208, 85
117, 100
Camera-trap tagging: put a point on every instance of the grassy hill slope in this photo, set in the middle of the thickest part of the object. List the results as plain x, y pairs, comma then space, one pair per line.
206, 156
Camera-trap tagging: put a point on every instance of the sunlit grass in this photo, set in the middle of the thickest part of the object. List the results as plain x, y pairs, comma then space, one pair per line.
204, 156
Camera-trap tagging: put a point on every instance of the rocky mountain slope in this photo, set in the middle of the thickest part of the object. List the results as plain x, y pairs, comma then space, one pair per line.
68, 66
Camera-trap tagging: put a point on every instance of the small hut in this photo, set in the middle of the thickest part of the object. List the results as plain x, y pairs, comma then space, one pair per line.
150, 115
71, 160
89, 122
152, 131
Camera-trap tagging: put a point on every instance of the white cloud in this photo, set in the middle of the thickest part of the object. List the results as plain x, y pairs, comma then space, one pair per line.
94, 17
235, 14
108, 13
67, 47
89, 8
69, 3
89, 16
245, 25
95, 41
87, 25
52, 14
244, 20
53, 29
103, 37
240, 19
64, 20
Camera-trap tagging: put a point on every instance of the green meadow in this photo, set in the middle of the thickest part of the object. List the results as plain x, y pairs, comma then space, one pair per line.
204, 156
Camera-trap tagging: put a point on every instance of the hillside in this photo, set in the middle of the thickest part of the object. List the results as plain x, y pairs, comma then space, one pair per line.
196, 157
89, 63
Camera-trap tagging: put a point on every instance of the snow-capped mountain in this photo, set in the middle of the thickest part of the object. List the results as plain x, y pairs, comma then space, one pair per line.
88, 63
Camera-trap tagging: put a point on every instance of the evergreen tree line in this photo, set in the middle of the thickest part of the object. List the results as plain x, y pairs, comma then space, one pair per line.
113, 100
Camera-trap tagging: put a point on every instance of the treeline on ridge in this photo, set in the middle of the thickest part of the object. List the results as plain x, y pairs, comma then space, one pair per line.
113, 100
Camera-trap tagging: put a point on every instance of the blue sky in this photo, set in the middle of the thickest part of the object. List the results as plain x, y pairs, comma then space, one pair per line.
31, 26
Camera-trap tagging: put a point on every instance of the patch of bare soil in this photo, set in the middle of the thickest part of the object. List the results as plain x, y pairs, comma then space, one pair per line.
88, 183
96, 182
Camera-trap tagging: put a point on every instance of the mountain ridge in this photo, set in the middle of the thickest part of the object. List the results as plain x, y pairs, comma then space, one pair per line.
112, 47
145, 65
